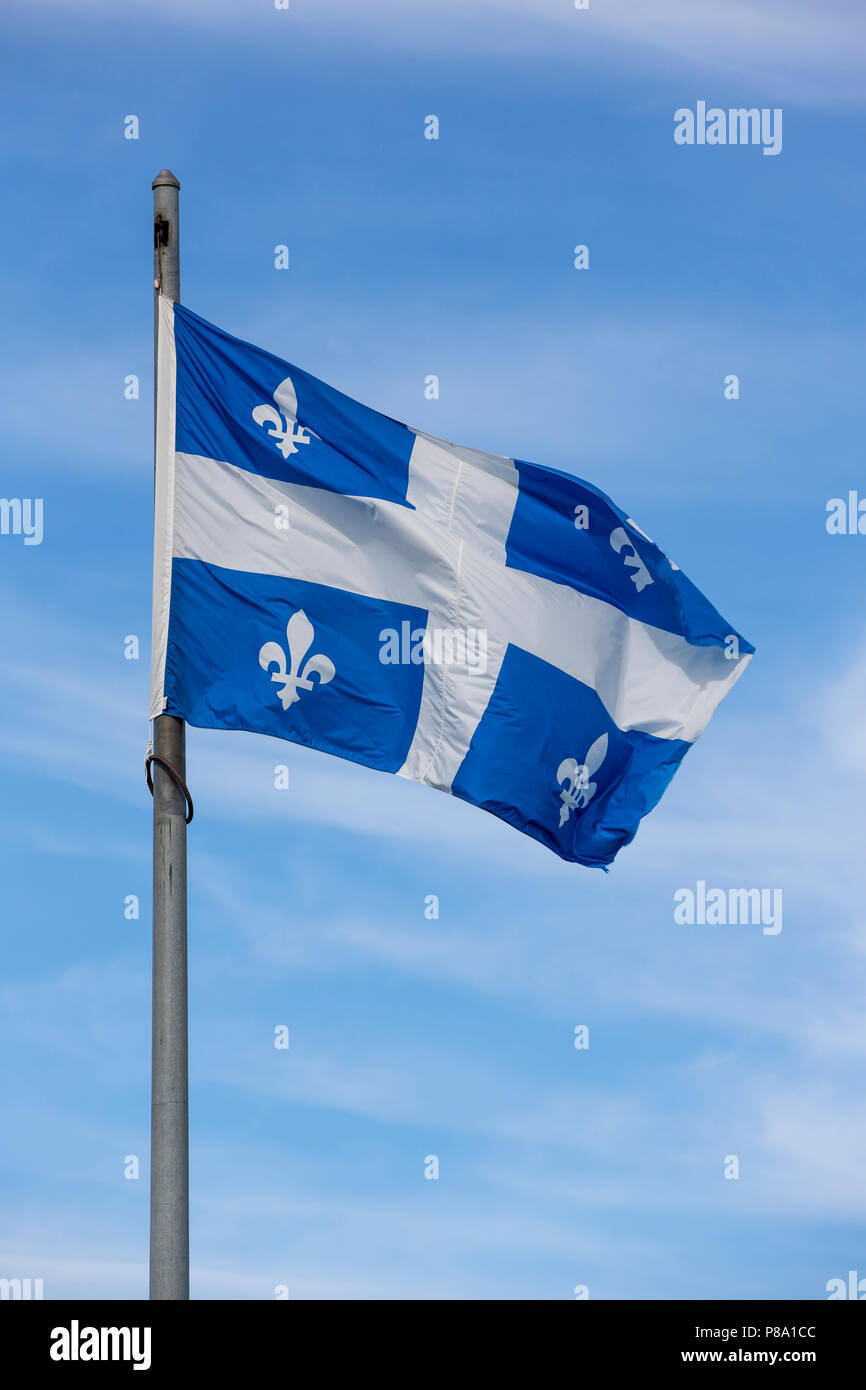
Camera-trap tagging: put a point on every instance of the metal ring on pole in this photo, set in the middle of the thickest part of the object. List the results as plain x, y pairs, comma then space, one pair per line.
175, 777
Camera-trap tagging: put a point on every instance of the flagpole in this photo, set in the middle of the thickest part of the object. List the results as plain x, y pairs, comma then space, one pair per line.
169, 1127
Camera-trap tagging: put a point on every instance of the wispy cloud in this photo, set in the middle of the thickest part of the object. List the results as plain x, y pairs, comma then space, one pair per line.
785, 48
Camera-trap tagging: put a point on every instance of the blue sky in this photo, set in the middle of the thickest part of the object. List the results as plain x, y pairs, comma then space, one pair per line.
410, 1037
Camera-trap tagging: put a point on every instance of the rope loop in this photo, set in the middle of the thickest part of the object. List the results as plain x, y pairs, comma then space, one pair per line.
173, 774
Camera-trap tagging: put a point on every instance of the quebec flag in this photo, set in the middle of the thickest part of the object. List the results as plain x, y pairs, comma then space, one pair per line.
483, 625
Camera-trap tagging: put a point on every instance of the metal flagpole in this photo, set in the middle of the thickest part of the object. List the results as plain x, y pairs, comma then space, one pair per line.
169, 1132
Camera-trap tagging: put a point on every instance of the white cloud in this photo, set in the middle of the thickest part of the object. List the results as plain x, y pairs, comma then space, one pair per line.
791, 49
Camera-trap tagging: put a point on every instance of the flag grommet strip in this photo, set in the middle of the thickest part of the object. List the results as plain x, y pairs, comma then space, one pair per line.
175, 777
164, 500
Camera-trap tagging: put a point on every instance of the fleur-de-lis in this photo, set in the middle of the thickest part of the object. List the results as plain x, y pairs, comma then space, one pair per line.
579, 791
299, 635
282, 425
640, 575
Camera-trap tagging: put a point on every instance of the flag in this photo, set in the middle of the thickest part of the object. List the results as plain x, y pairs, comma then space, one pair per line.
486, 626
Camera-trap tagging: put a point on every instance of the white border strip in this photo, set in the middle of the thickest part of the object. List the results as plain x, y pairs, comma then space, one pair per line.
163, 501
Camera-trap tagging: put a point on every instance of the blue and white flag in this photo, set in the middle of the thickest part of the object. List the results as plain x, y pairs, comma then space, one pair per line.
486, 626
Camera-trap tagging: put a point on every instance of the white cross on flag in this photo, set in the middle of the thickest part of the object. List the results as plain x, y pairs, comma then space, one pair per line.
492, 628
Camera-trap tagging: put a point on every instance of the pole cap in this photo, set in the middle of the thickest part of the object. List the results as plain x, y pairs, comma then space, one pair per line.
165, 179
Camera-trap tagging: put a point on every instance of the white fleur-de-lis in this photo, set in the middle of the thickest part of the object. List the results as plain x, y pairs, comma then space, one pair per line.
299, 635
282, 425
579, 791
640, 575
